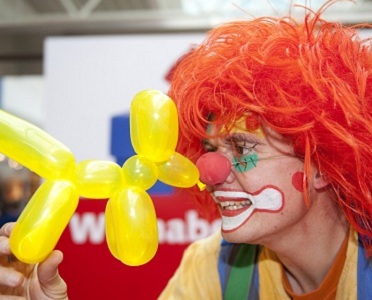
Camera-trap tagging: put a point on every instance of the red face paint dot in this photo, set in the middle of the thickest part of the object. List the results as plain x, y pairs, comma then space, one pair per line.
297, 181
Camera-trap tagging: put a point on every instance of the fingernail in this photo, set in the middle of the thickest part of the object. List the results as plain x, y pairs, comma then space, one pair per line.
7, 229
4, 247
14, 279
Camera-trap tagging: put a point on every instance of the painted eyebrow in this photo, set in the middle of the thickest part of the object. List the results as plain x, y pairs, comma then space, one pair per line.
246, 137
234, 137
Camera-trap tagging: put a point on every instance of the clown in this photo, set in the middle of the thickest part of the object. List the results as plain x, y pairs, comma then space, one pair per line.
277, 115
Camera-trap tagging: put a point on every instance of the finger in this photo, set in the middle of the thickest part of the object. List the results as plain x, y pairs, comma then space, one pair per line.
50, 281
3, 297
6, 229
10, 277
48, 269
4, 246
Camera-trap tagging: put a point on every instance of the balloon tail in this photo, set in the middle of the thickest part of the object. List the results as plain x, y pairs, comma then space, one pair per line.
201, 185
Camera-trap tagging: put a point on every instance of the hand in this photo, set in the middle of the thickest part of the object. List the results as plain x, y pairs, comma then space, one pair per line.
23, 281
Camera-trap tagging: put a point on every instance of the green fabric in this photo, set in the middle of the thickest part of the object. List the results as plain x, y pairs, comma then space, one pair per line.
241, 273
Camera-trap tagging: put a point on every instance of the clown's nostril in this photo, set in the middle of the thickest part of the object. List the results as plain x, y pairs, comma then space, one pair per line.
213, 167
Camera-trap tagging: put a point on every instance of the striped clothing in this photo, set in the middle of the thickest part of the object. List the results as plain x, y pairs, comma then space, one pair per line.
208, 267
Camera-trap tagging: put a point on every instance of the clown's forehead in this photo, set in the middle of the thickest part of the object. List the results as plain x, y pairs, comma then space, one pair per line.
246, 123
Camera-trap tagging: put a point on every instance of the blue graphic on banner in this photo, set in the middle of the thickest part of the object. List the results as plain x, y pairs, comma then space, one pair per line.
122, 149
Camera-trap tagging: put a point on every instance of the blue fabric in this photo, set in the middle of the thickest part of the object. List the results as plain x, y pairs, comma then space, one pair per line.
254, 291
227, 259
364, 275
223, 266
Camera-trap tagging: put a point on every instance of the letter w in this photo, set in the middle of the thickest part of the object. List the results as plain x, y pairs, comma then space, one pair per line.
88, 226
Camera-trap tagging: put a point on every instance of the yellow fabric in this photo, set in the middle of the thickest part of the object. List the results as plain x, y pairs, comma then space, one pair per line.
197, 276
270, 279
347, 288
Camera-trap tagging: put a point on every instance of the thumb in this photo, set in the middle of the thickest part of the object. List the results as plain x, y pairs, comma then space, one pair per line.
51, 283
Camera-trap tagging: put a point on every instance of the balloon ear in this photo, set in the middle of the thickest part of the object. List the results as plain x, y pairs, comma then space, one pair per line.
320, 180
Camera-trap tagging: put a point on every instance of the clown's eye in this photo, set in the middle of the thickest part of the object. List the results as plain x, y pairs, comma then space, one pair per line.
208, 147
244, 147
243, 144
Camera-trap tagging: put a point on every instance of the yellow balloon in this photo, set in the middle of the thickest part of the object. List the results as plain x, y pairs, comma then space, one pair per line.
42, 222
178, 171
141, 172
153, 125
131, 226
35, 149
97, 179
111, 238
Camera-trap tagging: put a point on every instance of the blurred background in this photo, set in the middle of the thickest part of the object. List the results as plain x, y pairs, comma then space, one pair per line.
24, 24
72, 67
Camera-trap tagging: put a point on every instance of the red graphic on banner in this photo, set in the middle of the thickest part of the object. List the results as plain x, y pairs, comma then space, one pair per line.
91, 272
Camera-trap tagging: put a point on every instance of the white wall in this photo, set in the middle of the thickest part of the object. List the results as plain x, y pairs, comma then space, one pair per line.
365, 33
90, 79
24, 97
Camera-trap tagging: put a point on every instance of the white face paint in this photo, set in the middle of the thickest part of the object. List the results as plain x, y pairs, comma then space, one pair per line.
261, 204
243, 205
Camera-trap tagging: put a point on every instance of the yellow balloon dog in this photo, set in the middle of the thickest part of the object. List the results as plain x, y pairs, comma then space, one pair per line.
131, 226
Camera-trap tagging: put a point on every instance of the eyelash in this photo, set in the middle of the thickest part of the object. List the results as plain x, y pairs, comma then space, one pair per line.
241, 147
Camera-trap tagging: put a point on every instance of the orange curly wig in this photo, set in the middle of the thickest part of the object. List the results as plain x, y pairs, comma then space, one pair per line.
311, 81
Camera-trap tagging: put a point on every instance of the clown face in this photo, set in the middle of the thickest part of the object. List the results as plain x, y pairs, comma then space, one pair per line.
260, 198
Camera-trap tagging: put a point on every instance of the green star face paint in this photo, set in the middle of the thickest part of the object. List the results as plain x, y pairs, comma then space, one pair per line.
245, 163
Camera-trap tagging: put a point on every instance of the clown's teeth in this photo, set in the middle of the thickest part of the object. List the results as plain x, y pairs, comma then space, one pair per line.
269, 199
232, 205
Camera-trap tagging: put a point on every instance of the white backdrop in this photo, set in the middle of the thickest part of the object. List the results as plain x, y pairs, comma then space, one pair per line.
90, 79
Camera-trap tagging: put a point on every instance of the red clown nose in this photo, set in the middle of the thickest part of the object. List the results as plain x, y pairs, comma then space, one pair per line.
213, 168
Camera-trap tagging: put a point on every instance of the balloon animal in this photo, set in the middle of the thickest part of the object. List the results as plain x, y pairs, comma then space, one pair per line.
131, 226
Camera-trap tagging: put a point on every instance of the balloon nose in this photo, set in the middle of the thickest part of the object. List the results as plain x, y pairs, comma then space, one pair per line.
213, 168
